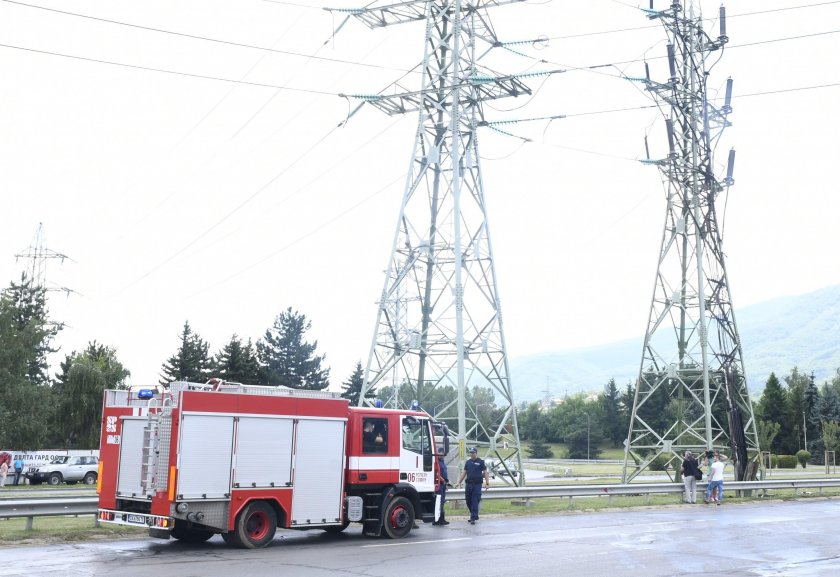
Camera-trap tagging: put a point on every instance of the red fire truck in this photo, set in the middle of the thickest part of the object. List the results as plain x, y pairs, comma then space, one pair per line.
200, 459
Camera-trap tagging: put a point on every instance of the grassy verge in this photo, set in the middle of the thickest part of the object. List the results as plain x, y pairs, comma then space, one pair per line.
62, 530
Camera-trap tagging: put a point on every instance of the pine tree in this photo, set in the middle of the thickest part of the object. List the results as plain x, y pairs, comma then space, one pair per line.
613, 425
352, 387
192, 361
812, 409
540, 450
237, 362
25, 336
28, 308
286, 359
772, 407
829, 403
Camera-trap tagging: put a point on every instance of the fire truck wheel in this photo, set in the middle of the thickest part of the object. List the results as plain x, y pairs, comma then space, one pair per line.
187, 534
256, 525
399, 518
231, 539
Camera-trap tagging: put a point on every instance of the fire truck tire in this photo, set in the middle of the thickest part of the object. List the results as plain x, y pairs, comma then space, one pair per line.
256, 525
399, 518
187, 534
231, 539
54, 479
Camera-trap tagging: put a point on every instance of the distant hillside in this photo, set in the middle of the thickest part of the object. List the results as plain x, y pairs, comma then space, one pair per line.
802, 331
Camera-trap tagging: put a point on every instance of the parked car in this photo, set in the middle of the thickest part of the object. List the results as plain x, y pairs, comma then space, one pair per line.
68, 470
497, 468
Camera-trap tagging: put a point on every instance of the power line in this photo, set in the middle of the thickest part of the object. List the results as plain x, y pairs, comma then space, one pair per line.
652, 26
295, 4
593, 67
230, 213
301, 238
174, 72
204, 38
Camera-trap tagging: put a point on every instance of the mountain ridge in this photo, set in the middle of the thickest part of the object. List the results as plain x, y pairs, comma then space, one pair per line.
779, 334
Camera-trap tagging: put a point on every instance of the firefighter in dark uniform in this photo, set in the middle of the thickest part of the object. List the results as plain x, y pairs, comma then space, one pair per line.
474, 471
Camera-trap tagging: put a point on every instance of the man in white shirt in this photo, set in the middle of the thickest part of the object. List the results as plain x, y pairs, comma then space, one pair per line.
716, 479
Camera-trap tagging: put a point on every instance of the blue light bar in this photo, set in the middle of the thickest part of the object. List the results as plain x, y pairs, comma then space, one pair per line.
145, 394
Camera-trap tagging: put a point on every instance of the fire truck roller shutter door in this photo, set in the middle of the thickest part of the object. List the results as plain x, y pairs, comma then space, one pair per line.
263, 452
206, 451
319, 471
131, 458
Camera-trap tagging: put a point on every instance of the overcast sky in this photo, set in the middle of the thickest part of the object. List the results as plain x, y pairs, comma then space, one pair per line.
223, 203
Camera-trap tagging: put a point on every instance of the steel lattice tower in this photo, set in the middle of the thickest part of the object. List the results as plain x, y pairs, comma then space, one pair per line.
439, 320
692, 370
38, 254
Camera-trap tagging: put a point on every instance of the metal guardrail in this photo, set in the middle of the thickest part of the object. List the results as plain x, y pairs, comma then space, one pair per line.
538, 491
31, 508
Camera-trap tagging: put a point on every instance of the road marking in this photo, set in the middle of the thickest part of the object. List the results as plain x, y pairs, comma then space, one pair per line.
419, 542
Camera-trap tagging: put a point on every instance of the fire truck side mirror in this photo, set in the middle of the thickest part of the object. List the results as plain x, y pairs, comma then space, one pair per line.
442, 431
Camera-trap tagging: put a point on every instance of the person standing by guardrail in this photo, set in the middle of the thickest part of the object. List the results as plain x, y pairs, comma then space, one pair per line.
474, 471
4, 470
691, 473
18, 470
716, 479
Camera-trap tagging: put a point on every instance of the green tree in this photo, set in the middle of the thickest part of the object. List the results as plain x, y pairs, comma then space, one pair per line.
533, 424
352, 387
831, 436
540, 450
812, 409
829, 403
772, 407
28, 309
767, 432
286, 359
25, 336
238, 362
613, 426
191, 362
79, 399
792, 425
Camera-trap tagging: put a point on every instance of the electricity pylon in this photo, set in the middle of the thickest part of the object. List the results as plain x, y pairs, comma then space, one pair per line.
691, 393
39, 255
439, 320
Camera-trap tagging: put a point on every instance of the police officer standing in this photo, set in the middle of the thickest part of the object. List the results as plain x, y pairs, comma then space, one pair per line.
474, 471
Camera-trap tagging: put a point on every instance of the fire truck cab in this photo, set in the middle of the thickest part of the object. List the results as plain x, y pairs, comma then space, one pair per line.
199, 459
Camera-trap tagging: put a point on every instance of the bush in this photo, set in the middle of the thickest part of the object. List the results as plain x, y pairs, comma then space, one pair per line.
802, 456
659, 463
787, 461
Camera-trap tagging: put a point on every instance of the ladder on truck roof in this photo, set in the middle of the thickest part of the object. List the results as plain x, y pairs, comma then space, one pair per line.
220, 386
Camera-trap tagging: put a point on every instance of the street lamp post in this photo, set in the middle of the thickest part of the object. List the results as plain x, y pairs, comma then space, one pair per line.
805, 430
587, 435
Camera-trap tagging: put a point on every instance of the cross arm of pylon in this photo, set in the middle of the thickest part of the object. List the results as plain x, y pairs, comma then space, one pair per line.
486, 86
411, 11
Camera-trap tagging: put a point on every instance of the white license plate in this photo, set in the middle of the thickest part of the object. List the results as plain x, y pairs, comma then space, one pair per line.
136, 519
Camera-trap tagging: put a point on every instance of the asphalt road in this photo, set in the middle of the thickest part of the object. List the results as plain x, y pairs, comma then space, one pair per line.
789, 539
